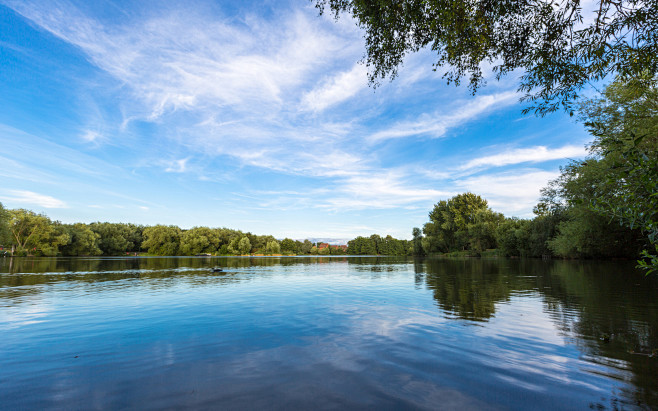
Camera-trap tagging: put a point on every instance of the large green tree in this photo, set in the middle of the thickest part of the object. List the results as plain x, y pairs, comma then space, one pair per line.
35, 234
458, 223
417, 242
482, 231
558, 47
585, 231
115, 238
509, 236
272, 247
82, 241
290, 246
199, 240
162, 240
244, 246
240, 245
624, 123
5, 233
608, 200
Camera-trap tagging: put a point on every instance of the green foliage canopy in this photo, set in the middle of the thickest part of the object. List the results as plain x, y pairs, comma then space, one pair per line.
5, 232
199, 240
272, 247
162, 240
83, 241
35, 233
557, 46
117, 238
460, 223
624, 123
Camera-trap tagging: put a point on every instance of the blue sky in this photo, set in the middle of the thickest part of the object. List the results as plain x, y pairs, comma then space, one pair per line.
249, 115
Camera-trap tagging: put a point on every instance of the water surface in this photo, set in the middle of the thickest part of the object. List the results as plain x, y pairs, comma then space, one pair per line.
327, 333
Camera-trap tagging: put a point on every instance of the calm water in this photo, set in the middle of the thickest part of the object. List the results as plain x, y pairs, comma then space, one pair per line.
326, 333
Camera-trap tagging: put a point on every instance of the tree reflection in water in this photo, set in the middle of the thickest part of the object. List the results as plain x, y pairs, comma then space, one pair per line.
608, 309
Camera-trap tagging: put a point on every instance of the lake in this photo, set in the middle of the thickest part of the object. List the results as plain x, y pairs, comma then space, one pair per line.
326, 333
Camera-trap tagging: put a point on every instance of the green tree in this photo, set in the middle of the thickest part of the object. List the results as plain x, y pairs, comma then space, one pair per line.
83, 241
376, 245
354, 246
482, 230
259, 242
5, 232
162, 240
451, 220
534, 236
35, 234
289, 246
417, 241
134, 234
556, 45
244, 245
114, 238
433, 240
617, 183
509, 236
272, 247
307, 245
199, 240
585, 232
624, 123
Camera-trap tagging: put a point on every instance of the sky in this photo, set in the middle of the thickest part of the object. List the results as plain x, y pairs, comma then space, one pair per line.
250, 115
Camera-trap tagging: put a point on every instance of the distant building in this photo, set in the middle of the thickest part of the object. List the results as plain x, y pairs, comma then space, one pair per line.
322, 246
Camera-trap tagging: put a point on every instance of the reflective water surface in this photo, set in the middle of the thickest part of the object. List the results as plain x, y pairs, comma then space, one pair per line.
326, 333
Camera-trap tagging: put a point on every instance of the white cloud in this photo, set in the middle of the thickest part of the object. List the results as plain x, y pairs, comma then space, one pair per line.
183, 60
337, 89
265, 93
436, 124
380, 190
524, 155
177, 166
90, 136
32, 198
221, 86
512, 193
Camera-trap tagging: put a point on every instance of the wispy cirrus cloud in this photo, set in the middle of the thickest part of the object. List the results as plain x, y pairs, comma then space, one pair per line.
535, 154
336, 89
512, 193
221, 86
437, 124
382, 191
90, 136
177, 166
34, 199
243, 102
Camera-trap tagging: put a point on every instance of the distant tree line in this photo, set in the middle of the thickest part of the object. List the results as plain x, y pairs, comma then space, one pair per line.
24, 232
377, 245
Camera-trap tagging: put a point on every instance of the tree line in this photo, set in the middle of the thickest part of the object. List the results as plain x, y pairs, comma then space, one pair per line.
24, 232
377, 245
